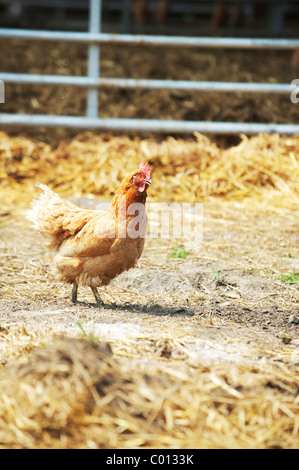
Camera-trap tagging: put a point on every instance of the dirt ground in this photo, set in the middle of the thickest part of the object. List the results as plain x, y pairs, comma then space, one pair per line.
225, 289
219, 316
205, 340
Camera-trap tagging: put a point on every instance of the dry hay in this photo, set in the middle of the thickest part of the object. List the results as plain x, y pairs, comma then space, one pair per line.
75, 394
183, 170
16, 340
80, 396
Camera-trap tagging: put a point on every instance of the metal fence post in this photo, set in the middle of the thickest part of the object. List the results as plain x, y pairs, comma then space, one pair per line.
95, 7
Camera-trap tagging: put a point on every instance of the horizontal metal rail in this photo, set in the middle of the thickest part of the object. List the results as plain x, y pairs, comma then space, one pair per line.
187, 85
147, 40
151, 125
92, 82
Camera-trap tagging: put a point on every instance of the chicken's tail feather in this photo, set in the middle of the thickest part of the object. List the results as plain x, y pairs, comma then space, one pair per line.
34, 214
55, 218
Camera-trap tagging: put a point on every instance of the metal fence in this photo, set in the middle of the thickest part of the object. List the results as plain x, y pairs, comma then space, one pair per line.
94, 38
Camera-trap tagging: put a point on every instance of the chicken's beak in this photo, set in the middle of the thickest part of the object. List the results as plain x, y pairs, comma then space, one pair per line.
148, 181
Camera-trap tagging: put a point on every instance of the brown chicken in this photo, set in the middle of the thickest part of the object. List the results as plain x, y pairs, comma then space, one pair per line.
91, 247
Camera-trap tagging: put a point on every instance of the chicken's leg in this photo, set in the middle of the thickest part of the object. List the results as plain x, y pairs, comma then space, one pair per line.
99, 301
74, 293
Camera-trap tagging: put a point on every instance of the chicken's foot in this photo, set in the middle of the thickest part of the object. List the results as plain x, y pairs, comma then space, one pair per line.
74, 293
99, 301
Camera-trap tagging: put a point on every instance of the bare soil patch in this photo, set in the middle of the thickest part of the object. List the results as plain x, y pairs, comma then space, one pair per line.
184, 330
203, 351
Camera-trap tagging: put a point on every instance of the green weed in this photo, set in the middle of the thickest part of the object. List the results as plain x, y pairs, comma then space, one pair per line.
289, 278
180, 253
90, 336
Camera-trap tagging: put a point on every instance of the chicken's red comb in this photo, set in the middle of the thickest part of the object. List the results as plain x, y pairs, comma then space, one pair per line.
145, 167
